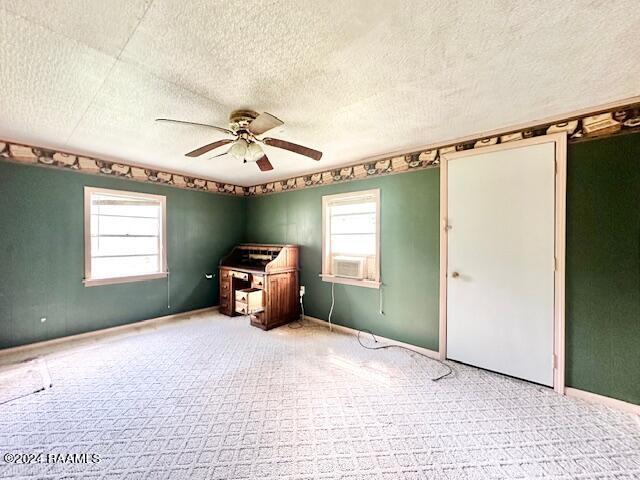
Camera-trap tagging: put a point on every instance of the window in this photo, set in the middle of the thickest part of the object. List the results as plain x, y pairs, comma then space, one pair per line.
124, 236
351, 238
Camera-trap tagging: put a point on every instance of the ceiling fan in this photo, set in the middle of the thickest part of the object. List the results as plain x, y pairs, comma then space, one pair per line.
246, 126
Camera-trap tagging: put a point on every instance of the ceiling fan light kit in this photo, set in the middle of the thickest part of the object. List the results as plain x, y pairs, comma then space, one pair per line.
239, 149
254, 152
246, 126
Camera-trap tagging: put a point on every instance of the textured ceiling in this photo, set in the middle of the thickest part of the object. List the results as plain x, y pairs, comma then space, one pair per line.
351, 78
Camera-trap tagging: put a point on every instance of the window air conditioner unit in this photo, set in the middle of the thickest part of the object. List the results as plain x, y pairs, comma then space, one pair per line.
349, 267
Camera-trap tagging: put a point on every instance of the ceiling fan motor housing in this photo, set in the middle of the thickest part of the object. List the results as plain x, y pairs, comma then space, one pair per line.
240, 119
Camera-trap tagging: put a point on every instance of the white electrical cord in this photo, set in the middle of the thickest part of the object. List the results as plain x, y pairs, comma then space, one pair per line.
333, 301
447, 373
412, 352
300, 322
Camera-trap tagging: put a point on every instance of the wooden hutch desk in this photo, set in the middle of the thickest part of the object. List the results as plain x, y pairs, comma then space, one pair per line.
261, 281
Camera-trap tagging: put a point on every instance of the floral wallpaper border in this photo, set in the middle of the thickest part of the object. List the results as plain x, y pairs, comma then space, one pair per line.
42, 156
598, 124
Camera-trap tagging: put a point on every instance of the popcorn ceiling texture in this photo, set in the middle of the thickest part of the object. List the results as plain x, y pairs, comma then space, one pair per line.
354, 79
214, 398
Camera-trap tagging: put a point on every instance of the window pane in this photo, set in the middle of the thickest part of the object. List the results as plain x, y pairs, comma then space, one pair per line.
101, 246
362, 206
101, 225
352, 230
122, 205
125, 233
133, 210
353, 244
358, 223
124, 266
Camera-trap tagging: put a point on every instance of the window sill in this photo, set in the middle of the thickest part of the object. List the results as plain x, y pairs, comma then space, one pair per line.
95, 282
350, 281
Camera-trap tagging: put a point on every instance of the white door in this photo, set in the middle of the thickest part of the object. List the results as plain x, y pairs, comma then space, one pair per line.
500, 279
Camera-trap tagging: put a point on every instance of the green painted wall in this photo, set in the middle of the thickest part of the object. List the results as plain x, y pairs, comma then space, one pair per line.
603, 267
409, 257
42, 255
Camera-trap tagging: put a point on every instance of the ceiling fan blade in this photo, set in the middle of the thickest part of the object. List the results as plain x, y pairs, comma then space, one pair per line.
264, 164
263, 122
220, 129
206, 148
292, 147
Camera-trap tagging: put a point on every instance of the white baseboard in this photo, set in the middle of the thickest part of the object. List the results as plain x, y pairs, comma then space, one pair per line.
23, 352
388, 341
602, 400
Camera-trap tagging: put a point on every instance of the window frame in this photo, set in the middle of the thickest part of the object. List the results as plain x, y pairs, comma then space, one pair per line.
327, 200
92, 282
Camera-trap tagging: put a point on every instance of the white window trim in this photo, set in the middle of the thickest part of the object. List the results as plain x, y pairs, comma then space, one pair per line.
326, 200
93, 282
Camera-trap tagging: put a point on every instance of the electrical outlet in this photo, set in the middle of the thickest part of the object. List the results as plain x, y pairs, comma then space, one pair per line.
302, 291
43, 319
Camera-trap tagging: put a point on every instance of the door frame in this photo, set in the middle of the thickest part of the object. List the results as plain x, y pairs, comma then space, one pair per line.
560, 142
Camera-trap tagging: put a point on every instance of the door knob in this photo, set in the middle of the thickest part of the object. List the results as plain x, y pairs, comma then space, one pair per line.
455, 274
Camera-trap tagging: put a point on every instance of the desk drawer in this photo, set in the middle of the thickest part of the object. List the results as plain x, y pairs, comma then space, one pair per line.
240, 275
224, 308
225, 293
242, 308
257, 281
251, 297
257, 319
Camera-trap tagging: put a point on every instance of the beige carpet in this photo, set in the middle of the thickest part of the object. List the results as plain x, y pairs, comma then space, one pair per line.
214, 398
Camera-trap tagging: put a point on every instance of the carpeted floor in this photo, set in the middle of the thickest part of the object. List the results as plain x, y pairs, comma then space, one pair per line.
212, 397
